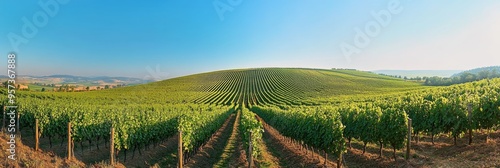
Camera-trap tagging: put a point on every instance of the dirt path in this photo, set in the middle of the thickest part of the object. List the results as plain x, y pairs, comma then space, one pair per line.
425, 154
163, 155
444, 154
233, 154
289, 154
266, 159
211, 153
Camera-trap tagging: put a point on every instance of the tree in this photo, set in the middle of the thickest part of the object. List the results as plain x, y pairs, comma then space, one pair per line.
427, 81
494, 74
483, 74
43, 89
106, 87
87, 88
467, 77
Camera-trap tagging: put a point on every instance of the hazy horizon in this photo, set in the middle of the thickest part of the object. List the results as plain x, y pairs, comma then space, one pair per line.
176, 38
405, 73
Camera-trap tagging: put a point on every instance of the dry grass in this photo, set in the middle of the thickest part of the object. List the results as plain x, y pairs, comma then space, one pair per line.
28, 157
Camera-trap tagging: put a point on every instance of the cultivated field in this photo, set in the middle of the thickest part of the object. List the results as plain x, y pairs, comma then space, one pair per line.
269, 117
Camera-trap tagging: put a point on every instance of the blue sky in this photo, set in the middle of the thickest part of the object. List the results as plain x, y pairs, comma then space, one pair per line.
126, 38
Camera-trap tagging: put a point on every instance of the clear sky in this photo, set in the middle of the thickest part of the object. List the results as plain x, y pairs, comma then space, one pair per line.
179, 37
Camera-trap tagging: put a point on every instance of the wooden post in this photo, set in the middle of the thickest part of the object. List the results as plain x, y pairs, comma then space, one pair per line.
18, 131
326, 156
312, 152
339, 162
112, 146
250, 157
72, 149
179, 151
469, 110
408, 144
36, 135
69, 141
3, 119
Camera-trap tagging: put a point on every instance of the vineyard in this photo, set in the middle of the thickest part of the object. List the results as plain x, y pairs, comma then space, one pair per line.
319, 115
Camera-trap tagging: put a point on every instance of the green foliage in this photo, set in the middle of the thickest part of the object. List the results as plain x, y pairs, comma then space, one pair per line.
394, 127
316, 127
135, 125
198, 126
378, 122
318, 107
445, 110
250, 124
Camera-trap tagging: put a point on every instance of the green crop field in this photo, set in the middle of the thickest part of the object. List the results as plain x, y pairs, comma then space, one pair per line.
323, 109
262, 86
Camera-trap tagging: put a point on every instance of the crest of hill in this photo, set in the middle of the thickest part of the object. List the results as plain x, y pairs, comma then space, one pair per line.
323, 75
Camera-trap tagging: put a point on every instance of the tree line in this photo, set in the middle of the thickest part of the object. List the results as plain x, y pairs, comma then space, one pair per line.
463, 77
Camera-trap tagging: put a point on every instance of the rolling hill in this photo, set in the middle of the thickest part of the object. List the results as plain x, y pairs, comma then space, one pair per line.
292, 86
268, 86
288, 86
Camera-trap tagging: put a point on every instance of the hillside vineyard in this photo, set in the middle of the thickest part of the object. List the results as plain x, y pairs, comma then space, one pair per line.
324, 109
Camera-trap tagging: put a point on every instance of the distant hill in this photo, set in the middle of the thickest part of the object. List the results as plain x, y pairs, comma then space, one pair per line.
465, 76
477, 71
98, 79
418, 73
78, 80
